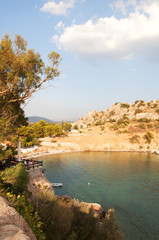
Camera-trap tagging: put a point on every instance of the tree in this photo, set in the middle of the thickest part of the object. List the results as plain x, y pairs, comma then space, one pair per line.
22, 73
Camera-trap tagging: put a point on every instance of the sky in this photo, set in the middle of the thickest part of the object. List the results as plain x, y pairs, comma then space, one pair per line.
110, 51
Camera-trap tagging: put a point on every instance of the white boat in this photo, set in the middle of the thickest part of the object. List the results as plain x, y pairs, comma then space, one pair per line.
57, 184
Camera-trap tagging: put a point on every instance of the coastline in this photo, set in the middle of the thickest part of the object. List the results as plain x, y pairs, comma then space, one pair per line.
54, 152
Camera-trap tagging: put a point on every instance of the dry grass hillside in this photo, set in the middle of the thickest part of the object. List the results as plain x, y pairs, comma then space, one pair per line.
122, 127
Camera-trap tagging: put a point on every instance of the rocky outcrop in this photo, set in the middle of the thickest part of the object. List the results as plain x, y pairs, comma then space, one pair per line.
12, 225
140, 109
95, 207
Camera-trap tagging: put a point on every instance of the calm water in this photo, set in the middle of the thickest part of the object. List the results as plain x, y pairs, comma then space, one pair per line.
127, 182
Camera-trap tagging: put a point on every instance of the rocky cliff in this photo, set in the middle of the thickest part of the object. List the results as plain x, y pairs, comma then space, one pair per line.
12, 225
140, 109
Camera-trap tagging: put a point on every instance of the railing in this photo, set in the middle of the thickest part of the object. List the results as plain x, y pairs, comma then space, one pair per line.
32, 164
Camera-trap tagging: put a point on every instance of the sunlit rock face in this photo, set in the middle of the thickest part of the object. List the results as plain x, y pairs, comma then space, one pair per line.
12, 225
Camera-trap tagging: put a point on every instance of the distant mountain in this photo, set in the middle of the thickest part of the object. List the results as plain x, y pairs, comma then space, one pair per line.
36, 119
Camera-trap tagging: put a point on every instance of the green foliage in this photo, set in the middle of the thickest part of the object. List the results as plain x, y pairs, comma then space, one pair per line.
142, 126
7, 152
146, 120
75, 127
157, 111
155, 105
13, 186
111, 114
138, 110
66, 126
30, 134
114, 127
102, 128
17, 177
136, 102
112, 120
22, 72
135, 139
125, 105
99, 122
123, 122
71, 220
149, 125
141, 104
148, 137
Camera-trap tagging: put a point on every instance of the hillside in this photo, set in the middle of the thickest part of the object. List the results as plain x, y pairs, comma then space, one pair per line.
122, 127
139, 110
35, 119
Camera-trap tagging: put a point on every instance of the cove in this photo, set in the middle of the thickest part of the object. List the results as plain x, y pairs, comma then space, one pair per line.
125, 181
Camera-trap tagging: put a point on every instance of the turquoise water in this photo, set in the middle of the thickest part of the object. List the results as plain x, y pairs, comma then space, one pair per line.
127, 182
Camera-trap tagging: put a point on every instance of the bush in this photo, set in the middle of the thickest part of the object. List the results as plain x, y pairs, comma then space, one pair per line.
149, 125
148, 137
112, 120
71, 220
138, 110
146, 120
102, 128
157, 111
124, 105
155, 105
114, 127
17, 177
142, 126
99, 122
75, 127
111, 114
123, 122
141, 103
135, 139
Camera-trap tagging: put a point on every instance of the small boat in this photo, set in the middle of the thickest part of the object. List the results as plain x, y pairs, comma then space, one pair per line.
57, 184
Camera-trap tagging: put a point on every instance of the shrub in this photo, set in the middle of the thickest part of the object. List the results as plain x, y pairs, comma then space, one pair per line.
135, 139
98, 123
155, 105
149, 125
157, 111
142, 126
111, 114
114, 127
141, 103
146, 120
123, 122
75, 127
112, 120
148, 137
136, 102
17, 177
138, 110
124, 105
102, 128
71, 220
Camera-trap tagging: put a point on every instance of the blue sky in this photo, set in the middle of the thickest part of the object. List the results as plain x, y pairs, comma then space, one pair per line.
110, 51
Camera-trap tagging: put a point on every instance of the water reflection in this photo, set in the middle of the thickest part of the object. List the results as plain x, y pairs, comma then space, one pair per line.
128, 182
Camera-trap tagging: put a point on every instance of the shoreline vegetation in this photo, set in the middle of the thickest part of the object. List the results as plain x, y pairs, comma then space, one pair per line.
51, 216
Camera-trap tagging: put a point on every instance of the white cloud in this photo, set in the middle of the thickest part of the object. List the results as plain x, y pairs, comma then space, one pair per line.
122, 5
60, 8
112, 38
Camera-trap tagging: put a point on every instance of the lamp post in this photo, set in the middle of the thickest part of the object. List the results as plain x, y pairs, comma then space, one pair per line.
19, 149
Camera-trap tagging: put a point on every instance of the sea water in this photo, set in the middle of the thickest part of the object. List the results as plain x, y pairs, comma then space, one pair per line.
125, 181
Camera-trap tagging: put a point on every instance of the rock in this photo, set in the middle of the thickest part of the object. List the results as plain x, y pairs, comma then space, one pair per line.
12, 225
139, 109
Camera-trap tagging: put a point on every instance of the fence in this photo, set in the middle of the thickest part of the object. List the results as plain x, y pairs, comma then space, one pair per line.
29, 164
